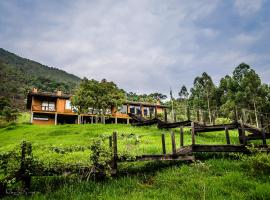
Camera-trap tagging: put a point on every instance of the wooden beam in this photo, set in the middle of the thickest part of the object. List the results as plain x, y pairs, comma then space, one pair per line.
219, 148
160, 157
193, 133
227, 135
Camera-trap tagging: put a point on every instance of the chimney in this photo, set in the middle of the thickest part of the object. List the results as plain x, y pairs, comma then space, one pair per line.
34, 90
59, 93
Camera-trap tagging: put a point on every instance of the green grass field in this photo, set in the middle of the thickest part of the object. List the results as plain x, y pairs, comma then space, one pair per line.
218, 177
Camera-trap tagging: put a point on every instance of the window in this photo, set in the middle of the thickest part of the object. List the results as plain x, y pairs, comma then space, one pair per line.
68, 105
48, 106
123, 109
145, 111
152, 110
132, 109
138, 110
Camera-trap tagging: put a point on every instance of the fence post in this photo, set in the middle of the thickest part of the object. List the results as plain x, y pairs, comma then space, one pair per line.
26, 149
173, 143
115, 157
243, 135
263, 137
163, 143
227, 135
193, 133
181, 136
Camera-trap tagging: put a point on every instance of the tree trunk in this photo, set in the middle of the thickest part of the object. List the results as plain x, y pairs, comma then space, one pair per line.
256, 116
209, 111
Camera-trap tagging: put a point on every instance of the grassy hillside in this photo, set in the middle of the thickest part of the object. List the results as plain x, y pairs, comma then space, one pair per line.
18, 75
218, 177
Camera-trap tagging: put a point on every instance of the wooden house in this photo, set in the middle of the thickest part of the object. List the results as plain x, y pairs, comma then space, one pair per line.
56, 108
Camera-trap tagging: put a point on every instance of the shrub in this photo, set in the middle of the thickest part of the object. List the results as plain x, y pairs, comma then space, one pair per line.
258, 163
100, 157
221, 120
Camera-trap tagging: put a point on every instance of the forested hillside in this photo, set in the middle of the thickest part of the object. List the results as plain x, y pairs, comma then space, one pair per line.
19, 75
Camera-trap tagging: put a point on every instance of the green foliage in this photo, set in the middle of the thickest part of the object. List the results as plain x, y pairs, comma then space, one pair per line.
99, 96
10, 114
221, 120
150, 98
257, 163
19, 75
100, 157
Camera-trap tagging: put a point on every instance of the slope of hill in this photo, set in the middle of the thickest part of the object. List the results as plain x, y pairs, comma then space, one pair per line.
19, 75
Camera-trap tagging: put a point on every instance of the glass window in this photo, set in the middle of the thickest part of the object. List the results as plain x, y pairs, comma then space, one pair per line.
123, 109
68, 105
145, 111
48, 106
138, 110
132, 109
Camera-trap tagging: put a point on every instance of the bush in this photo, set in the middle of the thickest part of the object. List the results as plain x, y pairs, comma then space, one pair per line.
258, 163
221, 120
100, 157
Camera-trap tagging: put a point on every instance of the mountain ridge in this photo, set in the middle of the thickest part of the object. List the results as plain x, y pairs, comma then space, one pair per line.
19, 75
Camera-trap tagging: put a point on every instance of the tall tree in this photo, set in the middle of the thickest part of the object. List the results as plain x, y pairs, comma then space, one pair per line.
97, 95
203, 91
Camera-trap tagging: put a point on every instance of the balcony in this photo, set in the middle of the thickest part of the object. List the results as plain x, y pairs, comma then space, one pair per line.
43, 108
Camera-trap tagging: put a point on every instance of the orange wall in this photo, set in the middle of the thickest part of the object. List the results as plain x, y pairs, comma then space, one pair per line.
60, 105
36, 104
159, 110
43, 122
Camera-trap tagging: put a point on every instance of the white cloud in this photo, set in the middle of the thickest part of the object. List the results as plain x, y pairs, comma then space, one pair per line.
142, 45
248, 7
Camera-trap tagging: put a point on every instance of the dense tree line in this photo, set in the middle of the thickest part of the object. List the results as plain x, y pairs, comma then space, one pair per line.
241, 90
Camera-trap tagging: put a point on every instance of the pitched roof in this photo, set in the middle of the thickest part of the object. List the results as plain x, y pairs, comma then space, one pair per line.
44, 94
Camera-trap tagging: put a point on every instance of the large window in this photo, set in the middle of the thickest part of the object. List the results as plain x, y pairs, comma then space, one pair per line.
135, 110
123, 109
68, 105
146, 111
48, 106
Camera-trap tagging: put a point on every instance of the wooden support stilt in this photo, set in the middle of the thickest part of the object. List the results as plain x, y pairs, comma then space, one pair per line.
181, 136
163, 143
193, 133
227, 135
173, 143
165, 115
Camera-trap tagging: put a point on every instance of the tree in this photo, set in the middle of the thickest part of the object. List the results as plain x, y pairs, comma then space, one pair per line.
10, 114
203, 91
97, 95
183, 94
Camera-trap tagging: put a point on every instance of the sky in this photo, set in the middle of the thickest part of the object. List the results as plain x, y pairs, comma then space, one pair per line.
142, 45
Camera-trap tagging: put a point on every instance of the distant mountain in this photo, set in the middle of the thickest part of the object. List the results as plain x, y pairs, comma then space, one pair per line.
18, 75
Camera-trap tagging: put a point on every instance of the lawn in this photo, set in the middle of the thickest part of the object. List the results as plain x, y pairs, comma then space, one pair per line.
219, 177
